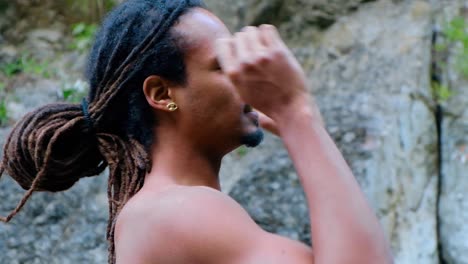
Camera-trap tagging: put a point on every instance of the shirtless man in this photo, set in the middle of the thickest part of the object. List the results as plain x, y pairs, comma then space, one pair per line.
171, 93
180, 215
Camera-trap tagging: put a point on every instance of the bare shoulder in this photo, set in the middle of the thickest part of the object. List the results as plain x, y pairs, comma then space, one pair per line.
196, 225
180, 205
153, 224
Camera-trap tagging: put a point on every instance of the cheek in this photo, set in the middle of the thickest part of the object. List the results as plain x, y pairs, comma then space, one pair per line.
226, 100
226, 89
215, 92
210, 101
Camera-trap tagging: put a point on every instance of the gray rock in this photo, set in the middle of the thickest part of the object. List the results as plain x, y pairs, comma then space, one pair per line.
453, 210
22, 100
44, 39
45, 34
8, 54
293, 14
272, 195
66, 227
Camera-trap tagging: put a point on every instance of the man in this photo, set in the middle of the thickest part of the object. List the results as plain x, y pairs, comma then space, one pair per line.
171, 93
180, 215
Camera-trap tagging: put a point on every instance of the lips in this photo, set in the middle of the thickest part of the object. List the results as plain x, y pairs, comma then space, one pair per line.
251, 114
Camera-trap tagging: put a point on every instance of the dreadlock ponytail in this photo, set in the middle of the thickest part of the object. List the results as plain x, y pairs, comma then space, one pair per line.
53, 147
49, 150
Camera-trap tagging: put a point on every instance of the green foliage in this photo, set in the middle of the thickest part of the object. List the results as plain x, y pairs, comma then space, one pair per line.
455, 43
28, 65
92, 12
455, 30
35, 67
3, 112
441, 92
3, 108
456, 33
70, 95
12, 68
73, 93
242, 151
83, 35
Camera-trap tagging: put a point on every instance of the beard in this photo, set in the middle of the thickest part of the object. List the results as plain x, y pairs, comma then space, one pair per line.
253, 139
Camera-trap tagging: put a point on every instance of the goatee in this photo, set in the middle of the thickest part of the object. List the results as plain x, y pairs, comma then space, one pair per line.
253, 139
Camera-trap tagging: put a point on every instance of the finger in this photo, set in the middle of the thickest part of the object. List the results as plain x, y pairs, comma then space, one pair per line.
242, 47
270, 36
267, 123
226, 54
254, 39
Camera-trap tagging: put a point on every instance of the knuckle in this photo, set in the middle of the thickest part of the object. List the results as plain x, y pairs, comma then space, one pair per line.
277, 53
247, 65
240, 34
267, 26
233, 74
248, 28
263, 59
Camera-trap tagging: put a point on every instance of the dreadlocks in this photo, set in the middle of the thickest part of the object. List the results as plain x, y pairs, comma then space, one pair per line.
54, 146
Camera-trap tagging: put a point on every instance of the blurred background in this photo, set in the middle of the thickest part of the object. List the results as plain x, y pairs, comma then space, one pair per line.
391, 79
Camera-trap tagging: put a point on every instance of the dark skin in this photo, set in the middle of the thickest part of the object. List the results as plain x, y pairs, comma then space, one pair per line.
180, 215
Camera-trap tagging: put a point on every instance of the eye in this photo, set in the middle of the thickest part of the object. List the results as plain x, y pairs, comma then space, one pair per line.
216, 65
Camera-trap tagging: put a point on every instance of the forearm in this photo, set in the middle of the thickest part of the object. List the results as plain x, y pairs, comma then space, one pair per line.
344, 227
267, 76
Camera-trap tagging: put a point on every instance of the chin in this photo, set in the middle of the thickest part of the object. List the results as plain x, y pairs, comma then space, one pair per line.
252, 139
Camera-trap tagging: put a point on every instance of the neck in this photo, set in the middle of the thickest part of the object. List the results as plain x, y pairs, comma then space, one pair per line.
176, 162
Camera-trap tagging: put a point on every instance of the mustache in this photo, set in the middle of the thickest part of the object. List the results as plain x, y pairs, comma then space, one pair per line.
248, 108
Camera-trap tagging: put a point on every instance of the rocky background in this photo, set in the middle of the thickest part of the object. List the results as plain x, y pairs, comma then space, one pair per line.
390, 77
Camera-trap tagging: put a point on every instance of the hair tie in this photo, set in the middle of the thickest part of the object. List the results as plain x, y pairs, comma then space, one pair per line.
89, 120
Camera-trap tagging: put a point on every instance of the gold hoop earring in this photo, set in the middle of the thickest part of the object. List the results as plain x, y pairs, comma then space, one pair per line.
172, 106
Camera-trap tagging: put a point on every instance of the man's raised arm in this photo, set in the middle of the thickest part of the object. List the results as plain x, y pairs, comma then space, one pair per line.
267, 76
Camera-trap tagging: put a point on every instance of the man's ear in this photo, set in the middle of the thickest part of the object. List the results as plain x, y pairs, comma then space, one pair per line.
157, 92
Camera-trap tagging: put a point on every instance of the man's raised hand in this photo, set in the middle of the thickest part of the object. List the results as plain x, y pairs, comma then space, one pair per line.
264, 71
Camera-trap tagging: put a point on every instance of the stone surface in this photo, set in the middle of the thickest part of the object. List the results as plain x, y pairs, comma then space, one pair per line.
273, 196
293, 13
453, 211
264, 182
66, 227
373, 90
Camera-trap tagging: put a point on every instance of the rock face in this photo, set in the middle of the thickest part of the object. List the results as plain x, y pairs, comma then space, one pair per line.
58, 228
269, 190
369, 67
371, 88
320, 13
454, 170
